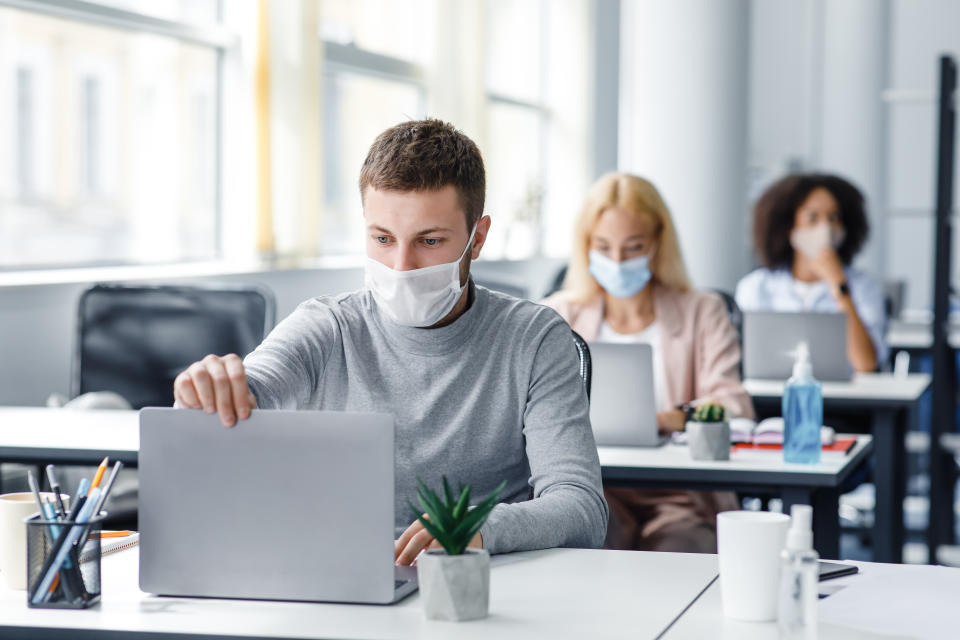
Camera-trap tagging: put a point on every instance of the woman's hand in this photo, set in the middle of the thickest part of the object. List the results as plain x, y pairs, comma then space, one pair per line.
827, 266
672, 420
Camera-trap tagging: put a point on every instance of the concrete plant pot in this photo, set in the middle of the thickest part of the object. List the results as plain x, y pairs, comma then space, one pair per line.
454, 588
709, 440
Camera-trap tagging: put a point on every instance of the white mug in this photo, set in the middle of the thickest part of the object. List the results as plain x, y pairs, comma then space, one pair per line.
748, 547
14, 509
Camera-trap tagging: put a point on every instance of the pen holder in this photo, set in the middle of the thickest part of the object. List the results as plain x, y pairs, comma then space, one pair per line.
63, 563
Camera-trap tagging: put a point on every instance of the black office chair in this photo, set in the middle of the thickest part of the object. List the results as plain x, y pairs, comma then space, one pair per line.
586, 365
134, 340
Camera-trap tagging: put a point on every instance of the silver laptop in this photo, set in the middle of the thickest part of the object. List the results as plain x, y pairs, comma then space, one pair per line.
770, 337
287, 505
622, 406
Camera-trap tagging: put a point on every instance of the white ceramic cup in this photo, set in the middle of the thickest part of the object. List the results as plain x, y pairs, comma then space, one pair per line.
14, 509
748, 546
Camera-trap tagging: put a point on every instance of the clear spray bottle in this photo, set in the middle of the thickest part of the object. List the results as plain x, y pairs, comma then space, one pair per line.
799, 578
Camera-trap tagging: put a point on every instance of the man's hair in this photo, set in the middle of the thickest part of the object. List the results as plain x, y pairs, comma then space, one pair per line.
427, 155
775, 213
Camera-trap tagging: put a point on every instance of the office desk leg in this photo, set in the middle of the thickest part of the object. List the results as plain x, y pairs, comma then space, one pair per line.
826, 516
890, 480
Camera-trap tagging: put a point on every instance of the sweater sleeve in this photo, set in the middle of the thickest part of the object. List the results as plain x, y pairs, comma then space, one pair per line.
284, 370
568, 508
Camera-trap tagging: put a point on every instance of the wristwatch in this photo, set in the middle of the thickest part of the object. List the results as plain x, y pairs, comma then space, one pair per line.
688, 411
843, 289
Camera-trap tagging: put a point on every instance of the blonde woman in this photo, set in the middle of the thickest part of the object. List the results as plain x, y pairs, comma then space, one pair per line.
626, 282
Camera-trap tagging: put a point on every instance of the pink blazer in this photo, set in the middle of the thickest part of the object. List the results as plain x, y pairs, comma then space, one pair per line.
701, 352
701, 355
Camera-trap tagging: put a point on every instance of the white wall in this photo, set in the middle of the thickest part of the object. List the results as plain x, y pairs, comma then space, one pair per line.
38, 322
814, 104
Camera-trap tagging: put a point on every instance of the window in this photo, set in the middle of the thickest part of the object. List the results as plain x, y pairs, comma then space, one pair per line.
498, 70
115, 112
517, 124
375, 54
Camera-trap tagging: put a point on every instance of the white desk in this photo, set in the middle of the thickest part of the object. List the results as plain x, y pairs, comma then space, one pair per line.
670, 466
35, 435
887, 400
555, 594
912, 602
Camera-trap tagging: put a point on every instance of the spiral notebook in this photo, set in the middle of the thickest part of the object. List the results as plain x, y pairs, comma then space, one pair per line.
110, 545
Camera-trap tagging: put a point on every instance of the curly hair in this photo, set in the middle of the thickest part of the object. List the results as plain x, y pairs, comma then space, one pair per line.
775, 213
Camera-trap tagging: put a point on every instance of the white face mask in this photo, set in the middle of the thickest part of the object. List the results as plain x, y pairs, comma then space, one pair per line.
812, 240
418, 297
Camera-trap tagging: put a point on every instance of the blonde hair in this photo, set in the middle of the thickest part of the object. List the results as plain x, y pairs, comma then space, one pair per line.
639, 196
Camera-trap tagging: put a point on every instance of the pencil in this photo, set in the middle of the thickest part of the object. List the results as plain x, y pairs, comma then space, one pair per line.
111, 534
100, 471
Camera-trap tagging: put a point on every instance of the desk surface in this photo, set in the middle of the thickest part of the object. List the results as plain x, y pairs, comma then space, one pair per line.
672, 462
883, 601
556, 593
31, 434
868, 389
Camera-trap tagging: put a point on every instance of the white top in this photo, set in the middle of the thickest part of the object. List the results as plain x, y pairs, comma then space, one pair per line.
675, 456
554, 593
868, 388
881, 601
778, 290
650, 336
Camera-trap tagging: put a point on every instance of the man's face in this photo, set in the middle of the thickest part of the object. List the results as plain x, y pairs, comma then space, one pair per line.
414, 229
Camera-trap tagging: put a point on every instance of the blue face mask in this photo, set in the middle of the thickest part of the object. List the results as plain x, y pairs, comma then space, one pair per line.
620, 279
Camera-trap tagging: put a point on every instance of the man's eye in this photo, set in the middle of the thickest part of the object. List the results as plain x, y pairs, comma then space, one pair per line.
431, 242
383, 239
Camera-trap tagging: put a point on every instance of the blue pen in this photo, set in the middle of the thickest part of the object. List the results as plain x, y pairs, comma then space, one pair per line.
42, 592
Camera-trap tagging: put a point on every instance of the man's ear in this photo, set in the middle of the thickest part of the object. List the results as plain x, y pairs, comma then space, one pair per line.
480, 236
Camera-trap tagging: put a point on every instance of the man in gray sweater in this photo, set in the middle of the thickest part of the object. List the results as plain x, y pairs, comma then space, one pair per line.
483, 387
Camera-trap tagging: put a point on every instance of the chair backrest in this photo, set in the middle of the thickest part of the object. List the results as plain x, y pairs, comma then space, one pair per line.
586, 366
134, 340
736, 318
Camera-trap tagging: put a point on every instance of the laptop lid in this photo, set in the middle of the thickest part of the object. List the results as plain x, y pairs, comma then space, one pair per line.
769, 337
287, 505
622, 406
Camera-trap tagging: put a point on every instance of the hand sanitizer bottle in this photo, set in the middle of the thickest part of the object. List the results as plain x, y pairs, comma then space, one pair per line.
802, 411
799, 578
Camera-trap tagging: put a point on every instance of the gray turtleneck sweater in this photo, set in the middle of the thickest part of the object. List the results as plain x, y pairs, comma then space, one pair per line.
496, 395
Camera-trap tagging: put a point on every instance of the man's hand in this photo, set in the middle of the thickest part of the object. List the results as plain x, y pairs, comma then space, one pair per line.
415, 539
216, 384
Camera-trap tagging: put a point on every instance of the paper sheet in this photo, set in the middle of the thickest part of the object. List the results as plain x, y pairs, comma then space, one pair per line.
902, 601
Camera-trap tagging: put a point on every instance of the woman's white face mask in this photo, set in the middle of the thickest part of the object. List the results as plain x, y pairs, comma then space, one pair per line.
418, 297
810, 241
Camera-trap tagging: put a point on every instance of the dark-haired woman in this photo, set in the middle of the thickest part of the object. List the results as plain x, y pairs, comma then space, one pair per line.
807, 229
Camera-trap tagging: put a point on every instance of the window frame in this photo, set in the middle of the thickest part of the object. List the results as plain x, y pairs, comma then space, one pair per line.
215, 37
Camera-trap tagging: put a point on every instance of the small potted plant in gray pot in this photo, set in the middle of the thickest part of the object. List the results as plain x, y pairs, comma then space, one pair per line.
708, 433
454, 581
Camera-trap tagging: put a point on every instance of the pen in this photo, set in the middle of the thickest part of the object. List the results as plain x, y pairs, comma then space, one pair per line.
99, 476
55, 487
35, 488
103, 498
107, 487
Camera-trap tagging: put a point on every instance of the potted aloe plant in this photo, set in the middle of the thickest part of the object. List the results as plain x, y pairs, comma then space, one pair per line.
454, 581
708, 433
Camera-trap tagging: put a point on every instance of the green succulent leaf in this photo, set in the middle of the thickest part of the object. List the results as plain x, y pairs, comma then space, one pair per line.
451, 520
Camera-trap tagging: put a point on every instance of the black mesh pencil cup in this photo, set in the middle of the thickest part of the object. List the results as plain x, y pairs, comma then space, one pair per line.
63, 563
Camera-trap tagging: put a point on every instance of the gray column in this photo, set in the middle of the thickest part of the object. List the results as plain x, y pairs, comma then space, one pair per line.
683, 115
